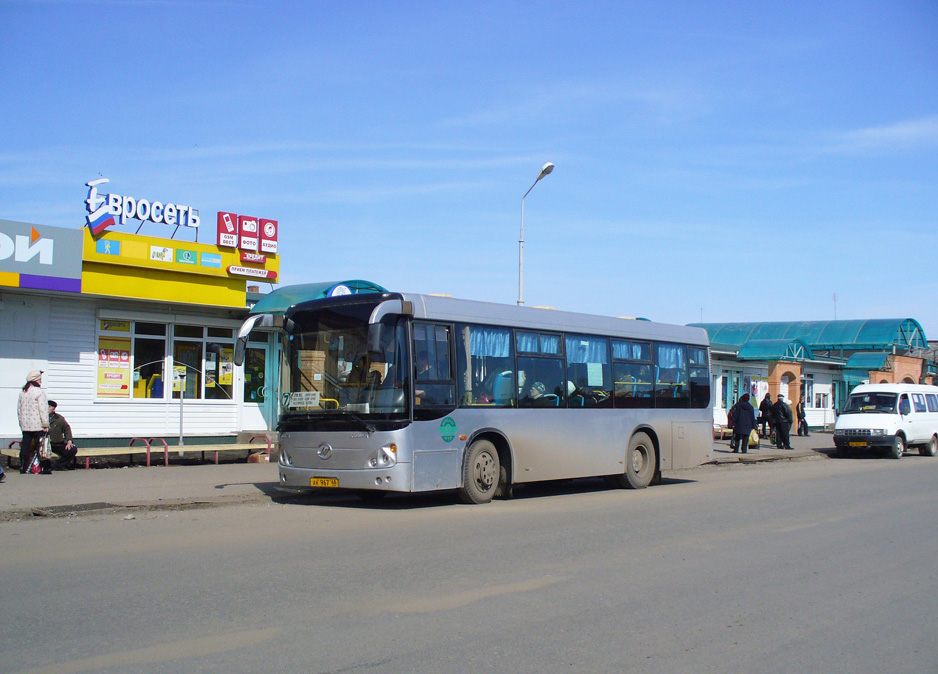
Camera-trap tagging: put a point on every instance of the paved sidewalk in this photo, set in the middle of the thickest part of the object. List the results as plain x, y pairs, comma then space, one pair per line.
156, 486
818, 445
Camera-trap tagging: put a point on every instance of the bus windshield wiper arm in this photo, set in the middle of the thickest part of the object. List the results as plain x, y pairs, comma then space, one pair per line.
368, 426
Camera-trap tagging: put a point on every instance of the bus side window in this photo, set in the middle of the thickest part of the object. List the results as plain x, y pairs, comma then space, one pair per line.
671, 388
433, 373
484, 366
589, 372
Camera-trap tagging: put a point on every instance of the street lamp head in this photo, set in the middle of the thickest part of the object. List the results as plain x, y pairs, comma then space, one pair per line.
545, 170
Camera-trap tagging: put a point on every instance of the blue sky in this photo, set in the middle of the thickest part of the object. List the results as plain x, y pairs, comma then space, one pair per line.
717, 161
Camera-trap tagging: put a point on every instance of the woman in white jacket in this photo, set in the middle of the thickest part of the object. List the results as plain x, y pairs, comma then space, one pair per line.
33, 413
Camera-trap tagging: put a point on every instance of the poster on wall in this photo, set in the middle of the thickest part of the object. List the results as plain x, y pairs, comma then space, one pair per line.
226, 373
113, 367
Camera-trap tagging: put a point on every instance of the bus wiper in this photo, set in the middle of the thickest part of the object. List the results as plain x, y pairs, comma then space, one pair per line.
368, 426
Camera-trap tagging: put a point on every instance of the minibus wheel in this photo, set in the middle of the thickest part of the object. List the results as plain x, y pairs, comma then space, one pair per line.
640, 463
898, 447
930, 448
480, 473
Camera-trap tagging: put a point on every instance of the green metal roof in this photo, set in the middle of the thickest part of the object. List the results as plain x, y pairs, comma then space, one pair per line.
882, 333
281, 299
867, 361
855, 377
775, 349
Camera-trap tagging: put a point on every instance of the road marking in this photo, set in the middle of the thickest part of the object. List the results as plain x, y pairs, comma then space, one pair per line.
451, 601
192, 648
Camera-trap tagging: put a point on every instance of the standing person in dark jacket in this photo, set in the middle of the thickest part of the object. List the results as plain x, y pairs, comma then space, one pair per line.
783, 421
765, 414
743, 425
802, 417
60, 439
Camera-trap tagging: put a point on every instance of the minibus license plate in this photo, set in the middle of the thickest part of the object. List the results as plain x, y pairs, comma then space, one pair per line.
323, 482
858, 444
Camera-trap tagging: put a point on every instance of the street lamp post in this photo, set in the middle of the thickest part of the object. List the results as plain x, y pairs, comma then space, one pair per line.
545, 171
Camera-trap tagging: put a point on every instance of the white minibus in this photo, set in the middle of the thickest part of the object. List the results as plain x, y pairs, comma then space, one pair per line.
890, 417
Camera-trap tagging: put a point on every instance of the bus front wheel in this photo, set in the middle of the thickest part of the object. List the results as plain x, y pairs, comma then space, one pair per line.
480, 473
640, 463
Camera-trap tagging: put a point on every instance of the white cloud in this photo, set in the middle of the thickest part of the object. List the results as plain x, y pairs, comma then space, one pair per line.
911, 133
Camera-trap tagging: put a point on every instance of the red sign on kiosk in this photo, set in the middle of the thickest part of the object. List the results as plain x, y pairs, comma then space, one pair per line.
249, 235
255, 258
268, 236
227, 230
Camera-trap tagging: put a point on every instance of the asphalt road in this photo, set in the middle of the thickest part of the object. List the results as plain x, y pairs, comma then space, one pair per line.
812, 566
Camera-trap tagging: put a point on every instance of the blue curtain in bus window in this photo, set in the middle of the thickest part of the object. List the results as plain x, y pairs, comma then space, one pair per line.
527, 342
485, 366
587, 350
549, 343
671, 389
699, 377
492, 342
588, 373
630, 351
539, 342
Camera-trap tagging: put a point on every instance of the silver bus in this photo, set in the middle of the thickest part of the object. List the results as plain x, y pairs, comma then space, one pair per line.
394, 392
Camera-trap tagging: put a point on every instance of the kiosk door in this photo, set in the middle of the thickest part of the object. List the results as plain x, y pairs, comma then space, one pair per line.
256, 414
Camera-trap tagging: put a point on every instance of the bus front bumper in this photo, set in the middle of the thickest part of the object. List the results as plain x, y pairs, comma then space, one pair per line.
395, 478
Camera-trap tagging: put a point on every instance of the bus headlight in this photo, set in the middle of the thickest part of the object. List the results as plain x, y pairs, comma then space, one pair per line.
877, 431
385, 457
285, 459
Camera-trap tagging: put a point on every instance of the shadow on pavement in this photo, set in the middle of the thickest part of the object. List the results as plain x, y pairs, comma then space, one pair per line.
401, 501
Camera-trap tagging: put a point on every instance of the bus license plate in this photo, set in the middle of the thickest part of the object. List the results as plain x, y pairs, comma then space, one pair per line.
858, 444
323, 482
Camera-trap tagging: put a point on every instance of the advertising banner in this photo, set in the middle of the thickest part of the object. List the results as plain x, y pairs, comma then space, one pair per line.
113, 367
40, 257
226, 372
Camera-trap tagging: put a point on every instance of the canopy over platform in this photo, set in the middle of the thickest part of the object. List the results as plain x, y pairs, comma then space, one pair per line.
872, 334
775, 349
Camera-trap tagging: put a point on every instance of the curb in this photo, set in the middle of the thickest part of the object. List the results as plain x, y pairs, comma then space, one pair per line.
752, 458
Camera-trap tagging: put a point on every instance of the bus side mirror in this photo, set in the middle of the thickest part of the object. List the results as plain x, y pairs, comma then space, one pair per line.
380, 336
240, 347
259, 320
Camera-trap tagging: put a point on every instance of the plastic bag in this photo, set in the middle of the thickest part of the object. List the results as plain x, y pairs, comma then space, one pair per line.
753, 438
45, 448
34, 467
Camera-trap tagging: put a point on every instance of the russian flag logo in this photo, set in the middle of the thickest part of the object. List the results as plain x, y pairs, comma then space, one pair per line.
100, 220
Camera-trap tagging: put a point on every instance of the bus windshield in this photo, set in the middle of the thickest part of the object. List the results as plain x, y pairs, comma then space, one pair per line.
862, 403
334, 373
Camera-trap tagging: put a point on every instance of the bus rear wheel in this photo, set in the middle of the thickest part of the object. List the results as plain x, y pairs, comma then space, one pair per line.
640, 463
480, 473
